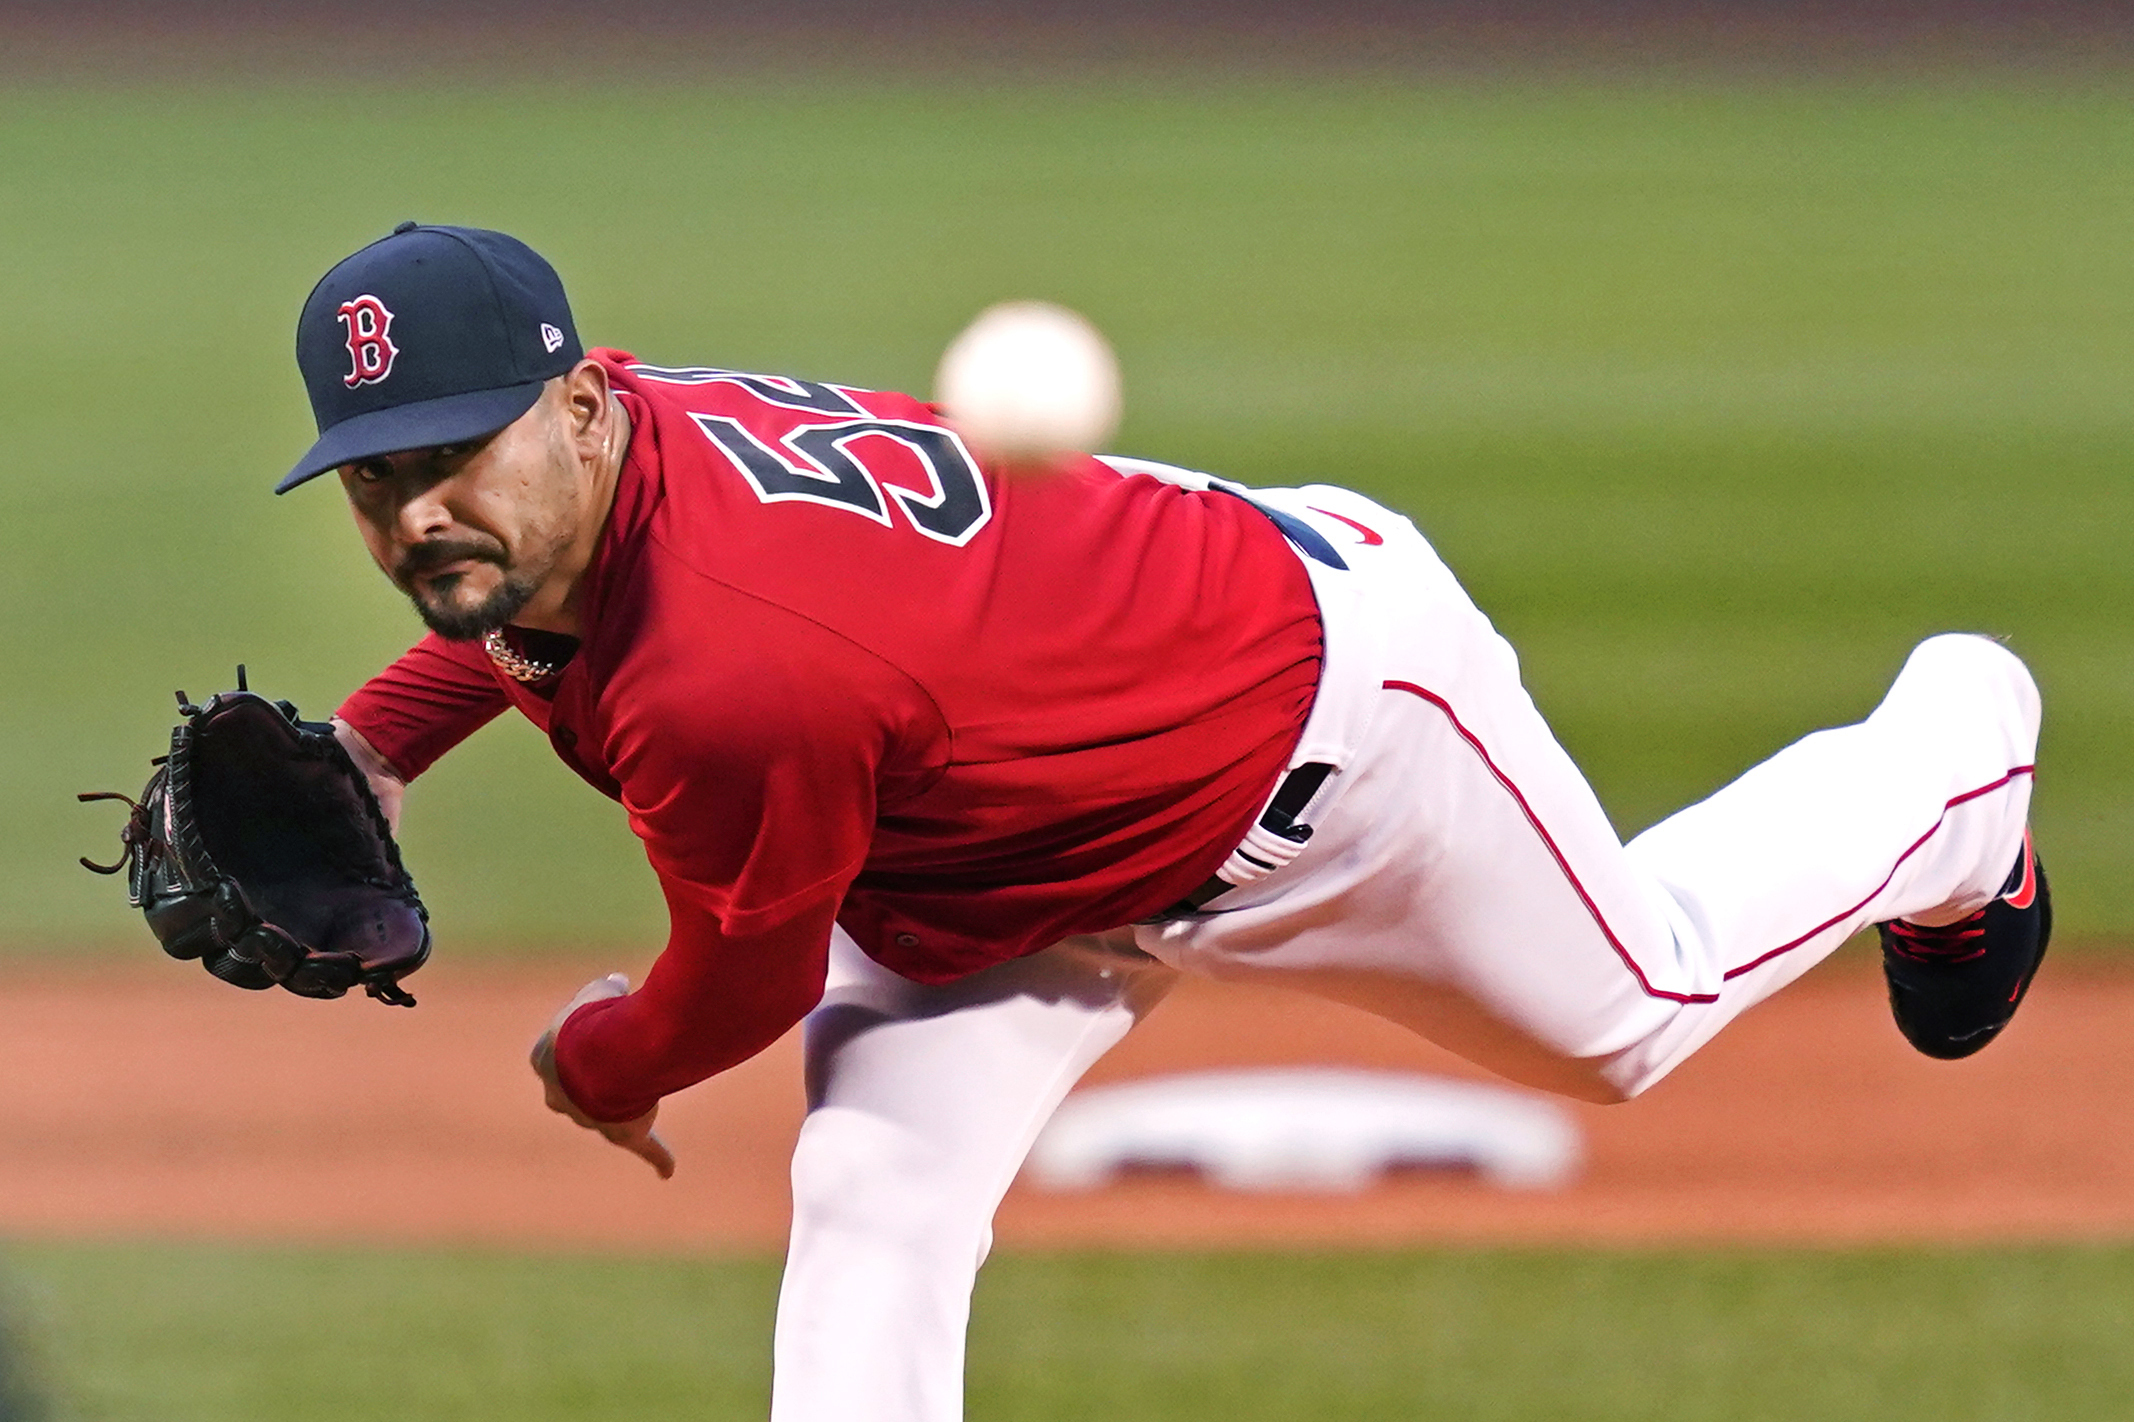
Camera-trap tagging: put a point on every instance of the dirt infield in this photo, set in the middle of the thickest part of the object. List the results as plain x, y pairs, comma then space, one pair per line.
151, 1101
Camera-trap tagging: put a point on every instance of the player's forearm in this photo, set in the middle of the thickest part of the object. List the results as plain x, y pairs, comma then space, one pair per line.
429, 700
708, 1004
386, 783
617, 1059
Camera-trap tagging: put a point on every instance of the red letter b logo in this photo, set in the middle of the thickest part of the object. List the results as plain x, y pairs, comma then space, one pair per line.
370, 353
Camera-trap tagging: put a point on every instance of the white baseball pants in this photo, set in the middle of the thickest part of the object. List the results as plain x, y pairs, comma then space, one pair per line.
1461, 880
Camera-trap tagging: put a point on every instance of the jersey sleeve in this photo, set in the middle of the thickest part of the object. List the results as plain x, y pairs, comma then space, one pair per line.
711, 1001
435, 696
753, 779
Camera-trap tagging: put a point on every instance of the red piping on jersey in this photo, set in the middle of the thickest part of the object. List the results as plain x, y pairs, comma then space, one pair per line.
1571, 876
2016, 773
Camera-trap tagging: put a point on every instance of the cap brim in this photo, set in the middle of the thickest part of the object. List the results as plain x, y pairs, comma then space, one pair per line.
445, 420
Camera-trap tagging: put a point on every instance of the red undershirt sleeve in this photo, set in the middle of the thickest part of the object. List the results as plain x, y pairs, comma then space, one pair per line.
710, 1002
435, 696
751, 778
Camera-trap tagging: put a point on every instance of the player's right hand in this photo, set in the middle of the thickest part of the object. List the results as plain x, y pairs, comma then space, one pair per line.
637, 1137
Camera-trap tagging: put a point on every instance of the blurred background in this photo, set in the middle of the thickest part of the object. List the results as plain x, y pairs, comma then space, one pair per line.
1723, 351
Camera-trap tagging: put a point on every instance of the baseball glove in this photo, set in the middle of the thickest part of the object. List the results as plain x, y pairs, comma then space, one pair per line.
259, 849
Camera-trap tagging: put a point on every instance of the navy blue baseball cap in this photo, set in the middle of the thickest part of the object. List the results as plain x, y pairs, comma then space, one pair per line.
430, 336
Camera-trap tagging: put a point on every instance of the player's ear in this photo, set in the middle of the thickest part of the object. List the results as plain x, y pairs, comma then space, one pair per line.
587, 403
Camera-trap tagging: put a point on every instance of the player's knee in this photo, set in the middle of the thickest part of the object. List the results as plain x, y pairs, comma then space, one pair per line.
1970, 659
1595, 1086
862, 1177
1599, 1081
1961, 673
840, 1171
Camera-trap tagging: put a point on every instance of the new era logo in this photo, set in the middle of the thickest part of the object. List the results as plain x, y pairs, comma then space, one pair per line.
551, 338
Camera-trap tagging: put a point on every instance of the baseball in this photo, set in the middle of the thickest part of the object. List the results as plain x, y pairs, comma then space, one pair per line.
1030, 383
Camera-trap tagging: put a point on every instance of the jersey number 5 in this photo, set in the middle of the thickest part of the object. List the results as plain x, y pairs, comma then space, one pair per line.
815, 464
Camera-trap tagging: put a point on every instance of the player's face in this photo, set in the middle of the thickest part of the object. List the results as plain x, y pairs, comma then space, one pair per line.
472, 532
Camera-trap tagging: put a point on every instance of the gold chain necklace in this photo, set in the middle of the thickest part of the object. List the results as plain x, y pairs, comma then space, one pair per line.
513, 665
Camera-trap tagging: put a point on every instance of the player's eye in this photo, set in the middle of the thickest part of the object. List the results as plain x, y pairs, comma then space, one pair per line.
372, 471
453, 453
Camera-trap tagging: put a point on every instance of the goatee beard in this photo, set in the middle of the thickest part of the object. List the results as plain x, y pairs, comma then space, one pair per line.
474, 623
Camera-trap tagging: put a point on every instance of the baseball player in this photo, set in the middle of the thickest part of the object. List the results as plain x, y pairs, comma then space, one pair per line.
965, 770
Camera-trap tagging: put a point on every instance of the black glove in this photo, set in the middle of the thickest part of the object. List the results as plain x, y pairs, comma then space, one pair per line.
259, 849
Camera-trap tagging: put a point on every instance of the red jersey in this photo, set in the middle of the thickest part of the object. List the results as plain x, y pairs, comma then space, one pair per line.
836, 671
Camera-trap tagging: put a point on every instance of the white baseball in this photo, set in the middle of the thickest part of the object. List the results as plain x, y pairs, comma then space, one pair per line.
1030, 383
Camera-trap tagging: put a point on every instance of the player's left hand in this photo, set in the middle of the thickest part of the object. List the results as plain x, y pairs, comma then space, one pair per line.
636, 1137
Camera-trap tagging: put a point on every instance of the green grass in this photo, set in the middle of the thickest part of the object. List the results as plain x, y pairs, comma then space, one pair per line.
1718, 395
172, 1334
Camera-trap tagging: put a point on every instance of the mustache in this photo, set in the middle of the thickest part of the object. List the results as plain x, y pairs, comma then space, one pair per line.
426, 557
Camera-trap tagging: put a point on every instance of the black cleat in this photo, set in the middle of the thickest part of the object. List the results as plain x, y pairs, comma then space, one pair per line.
1952, 989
